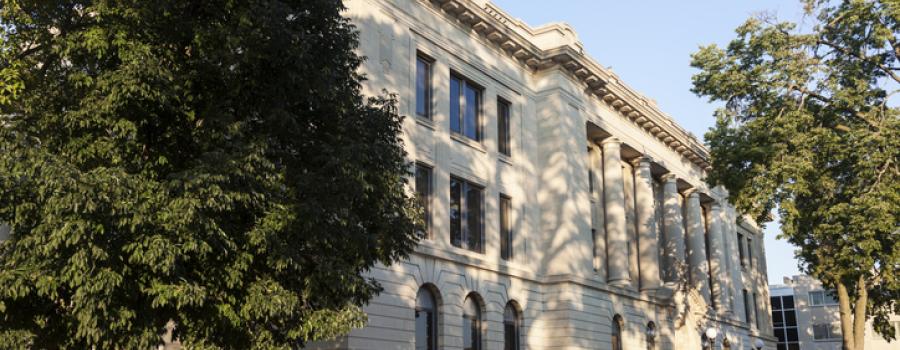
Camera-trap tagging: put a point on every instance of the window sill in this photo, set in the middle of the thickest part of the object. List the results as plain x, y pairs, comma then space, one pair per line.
468, 142
505, 158
428, 123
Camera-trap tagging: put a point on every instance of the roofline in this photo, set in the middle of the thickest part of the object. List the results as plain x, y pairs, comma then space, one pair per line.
530, 47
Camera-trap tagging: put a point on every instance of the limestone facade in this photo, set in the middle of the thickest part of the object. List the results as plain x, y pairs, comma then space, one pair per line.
591, 224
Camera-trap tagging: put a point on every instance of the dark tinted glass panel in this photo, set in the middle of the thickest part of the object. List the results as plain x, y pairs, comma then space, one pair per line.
423, 88
456, 212
616, 336
455, 85
794, 346
791, 334
782, 346
790, 319
779, 333
423, 192
776, 303
787, 302
473, 218
471, 122
510, 328
777, 319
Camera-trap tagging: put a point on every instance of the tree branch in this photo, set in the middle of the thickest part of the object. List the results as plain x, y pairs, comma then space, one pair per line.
861, 57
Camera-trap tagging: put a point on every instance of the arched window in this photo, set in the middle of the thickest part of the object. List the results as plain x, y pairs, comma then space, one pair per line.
471, 324
426, 320
511, 327
617, 333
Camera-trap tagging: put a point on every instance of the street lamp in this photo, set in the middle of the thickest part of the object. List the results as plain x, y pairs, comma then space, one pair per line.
651, 332
759, 344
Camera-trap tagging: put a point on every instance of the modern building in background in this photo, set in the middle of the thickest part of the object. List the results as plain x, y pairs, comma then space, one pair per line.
805, 316
564, 209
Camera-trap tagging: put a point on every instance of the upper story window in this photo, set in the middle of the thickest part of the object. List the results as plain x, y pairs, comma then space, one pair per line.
465, 107
423, 194
818, 298
423, 86
506, 233
741, 249
466, 215
503, 127
747, 306
750, 253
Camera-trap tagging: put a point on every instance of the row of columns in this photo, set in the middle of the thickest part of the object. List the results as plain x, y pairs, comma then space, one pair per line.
686, 235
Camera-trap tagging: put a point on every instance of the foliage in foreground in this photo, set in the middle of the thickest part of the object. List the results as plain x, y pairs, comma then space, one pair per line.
811, 126
211, 163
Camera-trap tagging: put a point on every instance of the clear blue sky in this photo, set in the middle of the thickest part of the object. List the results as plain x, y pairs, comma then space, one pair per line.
649, 43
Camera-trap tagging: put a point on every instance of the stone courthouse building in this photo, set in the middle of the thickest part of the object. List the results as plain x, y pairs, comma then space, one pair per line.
564, 209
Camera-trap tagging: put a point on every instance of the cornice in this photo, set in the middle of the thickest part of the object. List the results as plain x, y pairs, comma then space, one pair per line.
557, 45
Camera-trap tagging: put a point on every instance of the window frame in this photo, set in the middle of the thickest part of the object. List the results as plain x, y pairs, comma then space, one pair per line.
507, 237
429, 86
464, 234
504, 127
462, 105
428, 201
515, 323
433, 321
477, 320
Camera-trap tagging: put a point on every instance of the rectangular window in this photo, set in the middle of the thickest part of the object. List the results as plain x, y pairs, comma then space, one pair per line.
741, 249
466, 215
503, 122
819, 298
423, 194
423, 86
750, 253
755, 311
465, 108
506, 234
820, 331
746, 306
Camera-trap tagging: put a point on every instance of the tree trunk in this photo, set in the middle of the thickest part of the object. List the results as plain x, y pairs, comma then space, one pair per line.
853, 316
859, 319
848, 341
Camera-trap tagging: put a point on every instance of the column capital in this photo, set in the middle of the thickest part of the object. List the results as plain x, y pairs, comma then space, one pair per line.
691, 193
641, 161
609, 141
669, 177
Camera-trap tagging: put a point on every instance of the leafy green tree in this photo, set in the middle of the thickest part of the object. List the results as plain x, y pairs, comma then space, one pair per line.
810, 127
212, 163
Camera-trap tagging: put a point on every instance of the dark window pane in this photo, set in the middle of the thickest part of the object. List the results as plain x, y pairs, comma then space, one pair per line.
776, 303
423, 193
423, 88
787, 302
510, 328
782, 346
779, 333
473, 218
792, 334
454, 104
794, 346
503, 126
777, 319
471, 325
471, 123
505, 229
456, 212
790, 319
741, 248
616, 335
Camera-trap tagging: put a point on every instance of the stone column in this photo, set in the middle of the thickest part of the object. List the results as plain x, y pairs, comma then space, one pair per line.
598, 228
673, 228
717, 264
614, 199
696, 245
648, 249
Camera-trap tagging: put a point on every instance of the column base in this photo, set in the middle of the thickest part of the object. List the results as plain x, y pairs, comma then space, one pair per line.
622, 282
